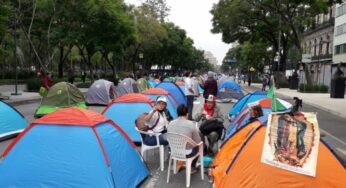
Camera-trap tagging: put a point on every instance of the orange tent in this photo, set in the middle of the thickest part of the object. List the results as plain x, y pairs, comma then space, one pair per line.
224, 157
245, 168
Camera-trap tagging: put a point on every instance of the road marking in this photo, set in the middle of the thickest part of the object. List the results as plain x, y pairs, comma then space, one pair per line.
332, 136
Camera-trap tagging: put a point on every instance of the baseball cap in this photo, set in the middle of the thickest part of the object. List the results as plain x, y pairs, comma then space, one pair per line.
211, 98
161, 98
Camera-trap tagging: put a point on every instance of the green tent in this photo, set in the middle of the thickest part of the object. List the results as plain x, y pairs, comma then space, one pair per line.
61, 95
143, 84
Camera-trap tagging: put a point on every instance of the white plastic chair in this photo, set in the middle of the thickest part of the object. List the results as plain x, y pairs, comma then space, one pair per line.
147, 147
177, 143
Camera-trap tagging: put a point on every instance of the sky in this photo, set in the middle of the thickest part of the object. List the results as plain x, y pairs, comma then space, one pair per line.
194, 17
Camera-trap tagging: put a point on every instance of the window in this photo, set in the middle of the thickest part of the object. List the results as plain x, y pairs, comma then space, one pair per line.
341, 29
340, 49
341, 10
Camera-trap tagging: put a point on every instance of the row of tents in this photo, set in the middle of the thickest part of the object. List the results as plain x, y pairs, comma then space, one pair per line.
75, 147
238, 163
71, 146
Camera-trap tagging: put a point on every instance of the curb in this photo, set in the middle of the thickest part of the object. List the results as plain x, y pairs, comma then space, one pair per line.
28, 101
22, 102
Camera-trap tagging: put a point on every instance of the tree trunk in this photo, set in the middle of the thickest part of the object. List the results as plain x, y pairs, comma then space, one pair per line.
61, 63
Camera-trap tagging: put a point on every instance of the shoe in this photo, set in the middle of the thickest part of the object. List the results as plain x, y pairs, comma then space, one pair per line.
193, 170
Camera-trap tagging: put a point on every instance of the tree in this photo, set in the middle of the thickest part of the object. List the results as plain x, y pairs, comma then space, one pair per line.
158, 9
250, 20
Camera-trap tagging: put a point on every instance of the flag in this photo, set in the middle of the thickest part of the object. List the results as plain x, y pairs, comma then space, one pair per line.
277, 104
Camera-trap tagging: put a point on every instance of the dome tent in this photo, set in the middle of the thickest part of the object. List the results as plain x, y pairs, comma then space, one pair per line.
61, 95
11, 121
101, 92
72, 148
126, 109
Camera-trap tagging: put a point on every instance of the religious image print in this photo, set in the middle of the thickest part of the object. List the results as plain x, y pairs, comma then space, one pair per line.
292, 141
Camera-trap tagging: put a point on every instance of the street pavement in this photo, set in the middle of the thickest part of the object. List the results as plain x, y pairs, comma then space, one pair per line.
331, 117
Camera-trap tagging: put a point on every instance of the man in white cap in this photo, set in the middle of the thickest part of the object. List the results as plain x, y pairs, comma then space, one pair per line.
157, 121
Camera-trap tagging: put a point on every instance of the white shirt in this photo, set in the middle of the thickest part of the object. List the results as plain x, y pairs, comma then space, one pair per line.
161, 125
188, 86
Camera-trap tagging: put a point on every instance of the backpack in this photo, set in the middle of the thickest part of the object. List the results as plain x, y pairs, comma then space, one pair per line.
140, 122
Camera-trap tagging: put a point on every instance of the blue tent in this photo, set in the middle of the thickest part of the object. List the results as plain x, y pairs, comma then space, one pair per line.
174, 90
242, 119
72, 148
11, 121
250, 97
126, 109
229, 90
229, 84
152, 83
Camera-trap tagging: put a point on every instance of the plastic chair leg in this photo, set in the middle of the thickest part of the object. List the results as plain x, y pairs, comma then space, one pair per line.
188, 172
202, 166
175, 166
162, 153
142, 153
169, 169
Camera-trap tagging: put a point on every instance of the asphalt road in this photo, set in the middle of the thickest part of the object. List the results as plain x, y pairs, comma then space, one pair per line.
332, 129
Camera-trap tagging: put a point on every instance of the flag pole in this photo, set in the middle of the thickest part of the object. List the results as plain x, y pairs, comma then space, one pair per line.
274, 97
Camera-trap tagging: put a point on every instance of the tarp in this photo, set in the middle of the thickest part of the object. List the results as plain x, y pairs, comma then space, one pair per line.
228, 90
174, 90
239, 164
143, 84
61, 95
72, 148
153, 93
250, 97
11, 121
101, 92
126, 109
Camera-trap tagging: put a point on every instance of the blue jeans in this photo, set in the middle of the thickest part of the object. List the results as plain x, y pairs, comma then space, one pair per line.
193, 152
190, 99
151, 140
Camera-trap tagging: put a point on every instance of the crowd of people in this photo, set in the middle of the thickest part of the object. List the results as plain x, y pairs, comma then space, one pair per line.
209, 118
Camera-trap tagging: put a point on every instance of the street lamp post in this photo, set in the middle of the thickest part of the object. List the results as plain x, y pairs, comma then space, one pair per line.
15, 57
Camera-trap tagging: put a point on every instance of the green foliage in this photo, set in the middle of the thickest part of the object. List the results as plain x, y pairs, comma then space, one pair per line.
305, 88
33, 84
250, 21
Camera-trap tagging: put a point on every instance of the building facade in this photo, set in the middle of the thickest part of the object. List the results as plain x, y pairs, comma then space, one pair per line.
339, 56
211, 59
317, 44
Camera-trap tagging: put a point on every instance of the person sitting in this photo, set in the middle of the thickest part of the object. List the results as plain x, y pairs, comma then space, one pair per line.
255, 112
211, 123
157, 121
183, 126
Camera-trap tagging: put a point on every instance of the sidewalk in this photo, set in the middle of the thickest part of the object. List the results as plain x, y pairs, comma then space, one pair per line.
318, 100
24, 97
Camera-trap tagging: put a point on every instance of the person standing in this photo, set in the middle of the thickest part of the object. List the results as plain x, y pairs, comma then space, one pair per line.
195, 84
71, 75
210, 86
83, 75
183, 126
189, 93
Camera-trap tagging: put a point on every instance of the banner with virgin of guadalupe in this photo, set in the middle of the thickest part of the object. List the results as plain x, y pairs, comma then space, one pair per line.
291, 142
